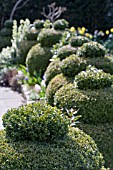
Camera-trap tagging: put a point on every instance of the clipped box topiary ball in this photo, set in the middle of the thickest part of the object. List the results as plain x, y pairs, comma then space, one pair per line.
37, 121
38, 24
57, 82
66, 51
95, 106
91, 49
75, 151
78, 41
60, 24
93, 78
104, 63
38, 59
48, 37
8, 24
72, 65
52, 70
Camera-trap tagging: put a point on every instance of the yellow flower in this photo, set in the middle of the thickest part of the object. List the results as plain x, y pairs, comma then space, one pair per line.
111, 30
87, 34
72, 29
107, 32
83, 29
81, 32
90, 36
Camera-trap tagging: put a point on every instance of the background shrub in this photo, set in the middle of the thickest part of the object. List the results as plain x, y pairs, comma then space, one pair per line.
72, 65
76, 151
37, 121
95, 106
91, 49
57, 82
48, 37
60, 24
66, 51
77, 41
52, 70
93, 78
38, 24
38, 59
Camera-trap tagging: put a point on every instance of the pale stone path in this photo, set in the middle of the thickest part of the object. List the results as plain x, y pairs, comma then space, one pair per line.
8, 99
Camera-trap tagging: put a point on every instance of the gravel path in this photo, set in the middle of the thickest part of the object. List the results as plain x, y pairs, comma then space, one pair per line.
8, 99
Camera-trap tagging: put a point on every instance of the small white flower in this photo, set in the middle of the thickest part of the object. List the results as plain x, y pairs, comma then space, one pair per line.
37, 88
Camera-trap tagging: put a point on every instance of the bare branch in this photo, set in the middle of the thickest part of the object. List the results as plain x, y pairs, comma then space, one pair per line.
54, 12
22, 5
16, 7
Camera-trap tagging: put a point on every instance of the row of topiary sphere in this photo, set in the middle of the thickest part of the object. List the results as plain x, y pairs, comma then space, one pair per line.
72, 82
40, 136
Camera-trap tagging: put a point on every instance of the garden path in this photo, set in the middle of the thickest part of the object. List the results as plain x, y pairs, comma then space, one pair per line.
8, 99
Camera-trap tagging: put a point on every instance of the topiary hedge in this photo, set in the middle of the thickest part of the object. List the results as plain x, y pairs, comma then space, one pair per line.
22, 50
103, 136
60, 24
38, 24
75, 152
104, 63
95, 106
52, 70
66, 51
57, 82
37, 121
91, 49
93, 78
72, 65
48, 37
77, 41
38, 59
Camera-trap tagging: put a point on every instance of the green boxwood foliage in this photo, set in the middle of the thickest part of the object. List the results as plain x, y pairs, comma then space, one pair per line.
32, 33
60, 24
95, 106
57, 82
66, 51
5, 41
72, 65
93, 78
37, 121
22, 50
75, 152
52, 70
38, 59
77, 41
103, 136
104, 63
91, 49
38, 24
48, 37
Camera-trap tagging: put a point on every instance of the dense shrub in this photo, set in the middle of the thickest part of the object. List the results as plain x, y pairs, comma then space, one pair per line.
95, 106
103, 136
77, 41
75, 152
52, 70
38, 24
22, 50
37, 121
66, 51
8, 24
57, 82
72, 65
91, 49
4, 42
31, 34
38, 59
60, 24
104, 63
93, 78
4, 32
49, 37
